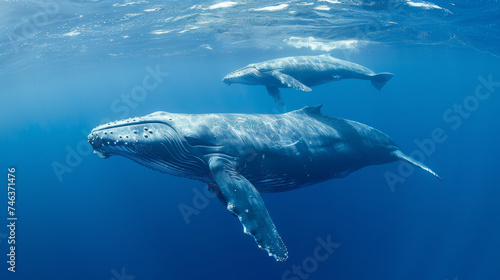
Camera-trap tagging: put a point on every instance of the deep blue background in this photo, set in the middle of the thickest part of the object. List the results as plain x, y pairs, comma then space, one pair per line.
111, 214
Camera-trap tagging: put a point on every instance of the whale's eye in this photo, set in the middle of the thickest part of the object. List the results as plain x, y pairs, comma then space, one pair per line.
202, 136
195, 140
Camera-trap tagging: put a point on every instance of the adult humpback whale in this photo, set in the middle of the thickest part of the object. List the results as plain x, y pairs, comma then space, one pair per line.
301, 73
238, 155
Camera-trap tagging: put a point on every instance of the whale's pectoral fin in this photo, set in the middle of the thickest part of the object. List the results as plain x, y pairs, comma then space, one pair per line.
243, 200
289, 81
215, 189
275, 93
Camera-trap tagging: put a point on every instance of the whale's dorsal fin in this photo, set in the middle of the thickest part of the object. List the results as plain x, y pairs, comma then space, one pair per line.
311, 110
244, 201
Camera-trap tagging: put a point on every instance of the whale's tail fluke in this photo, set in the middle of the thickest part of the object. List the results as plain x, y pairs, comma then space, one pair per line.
379, 80
414, 162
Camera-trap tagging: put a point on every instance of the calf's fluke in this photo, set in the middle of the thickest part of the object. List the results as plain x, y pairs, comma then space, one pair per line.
379, 80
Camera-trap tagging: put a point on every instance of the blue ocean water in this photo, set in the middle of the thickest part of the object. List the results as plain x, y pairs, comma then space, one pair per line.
67, 66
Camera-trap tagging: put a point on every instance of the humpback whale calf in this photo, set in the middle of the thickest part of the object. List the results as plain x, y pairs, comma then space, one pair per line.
240, 155
301, 73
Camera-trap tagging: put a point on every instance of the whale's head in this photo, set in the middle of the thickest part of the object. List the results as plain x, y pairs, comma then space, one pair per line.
152, 140
248, 75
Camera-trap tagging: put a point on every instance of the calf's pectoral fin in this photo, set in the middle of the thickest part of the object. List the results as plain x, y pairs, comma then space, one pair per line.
289, 81
414, 162
276, 95
244, 201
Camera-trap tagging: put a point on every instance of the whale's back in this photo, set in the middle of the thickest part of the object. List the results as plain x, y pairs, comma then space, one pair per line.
304, 147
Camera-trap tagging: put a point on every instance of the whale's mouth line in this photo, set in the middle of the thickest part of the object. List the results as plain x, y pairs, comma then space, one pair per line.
102, 153
97, 135
108, 126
